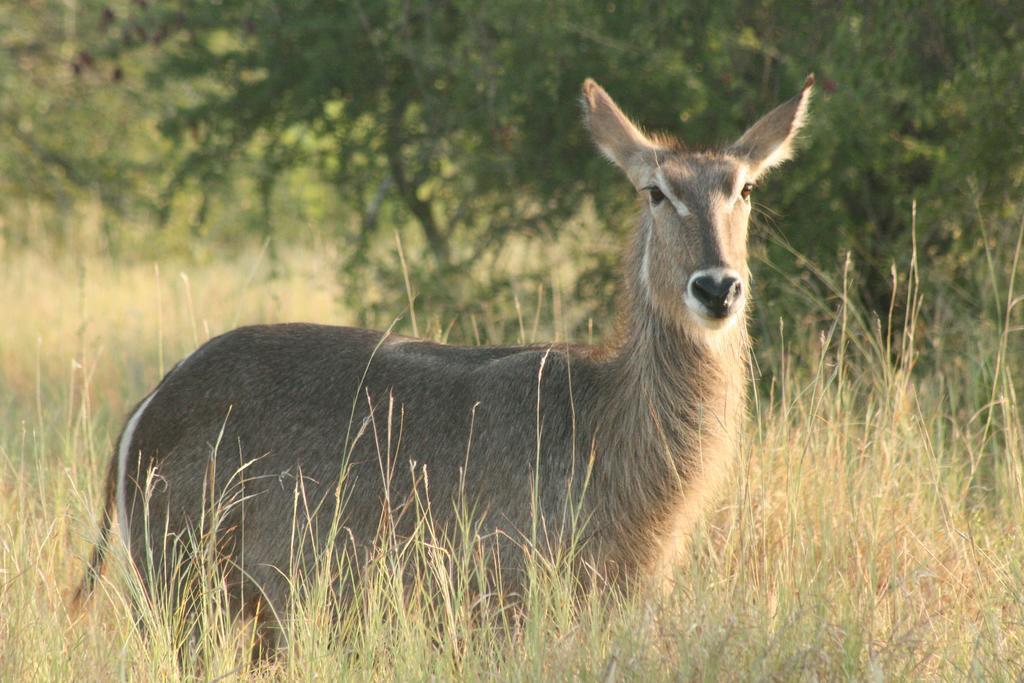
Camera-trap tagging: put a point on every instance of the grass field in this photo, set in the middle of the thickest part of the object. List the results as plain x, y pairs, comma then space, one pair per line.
871, 529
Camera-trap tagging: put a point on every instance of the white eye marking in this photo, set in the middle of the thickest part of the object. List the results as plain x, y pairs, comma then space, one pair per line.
666, 190
741, 183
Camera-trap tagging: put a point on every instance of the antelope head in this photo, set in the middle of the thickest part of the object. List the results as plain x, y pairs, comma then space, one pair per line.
691, 260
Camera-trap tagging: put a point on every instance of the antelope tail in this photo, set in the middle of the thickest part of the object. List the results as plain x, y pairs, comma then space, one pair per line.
99, 551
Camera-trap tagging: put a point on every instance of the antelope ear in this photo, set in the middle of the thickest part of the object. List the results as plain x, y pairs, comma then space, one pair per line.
769, 142
616, 136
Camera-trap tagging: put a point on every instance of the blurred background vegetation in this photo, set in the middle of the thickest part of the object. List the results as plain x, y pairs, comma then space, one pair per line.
137, 129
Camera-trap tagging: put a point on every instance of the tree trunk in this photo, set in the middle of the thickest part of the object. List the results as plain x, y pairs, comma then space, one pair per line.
422, 211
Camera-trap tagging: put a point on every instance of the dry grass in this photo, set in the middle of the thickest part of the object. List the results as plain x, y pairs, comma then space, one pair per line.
871, 529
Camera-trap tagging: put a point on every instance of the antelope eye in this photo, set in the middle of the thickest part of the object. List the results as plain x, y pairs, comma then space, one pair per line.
657, 196
747, 189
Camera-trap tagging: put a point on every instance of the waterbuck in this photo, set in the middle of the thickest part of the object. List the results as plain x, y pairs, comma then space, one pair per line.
282, 423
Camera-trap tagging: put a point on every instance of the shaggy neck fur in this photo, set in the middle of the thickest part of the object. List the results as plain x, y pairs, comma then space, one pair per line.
682, 392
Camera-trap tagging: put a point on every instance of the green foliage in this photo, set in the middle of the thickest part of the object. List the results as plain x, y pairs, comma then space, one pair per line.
69, 129
459, 118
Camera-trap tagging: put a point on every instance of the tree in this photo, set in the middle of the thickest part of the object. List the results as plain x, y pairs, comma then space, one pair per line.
456, 115
69, 130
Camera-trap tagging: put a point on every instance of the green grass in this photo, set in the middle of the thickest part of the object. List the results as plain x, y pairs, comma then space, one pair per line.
870, 529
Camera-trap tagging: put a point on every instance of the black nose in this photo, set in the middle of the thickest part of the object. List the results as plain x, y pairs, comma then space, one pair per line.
717, 296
